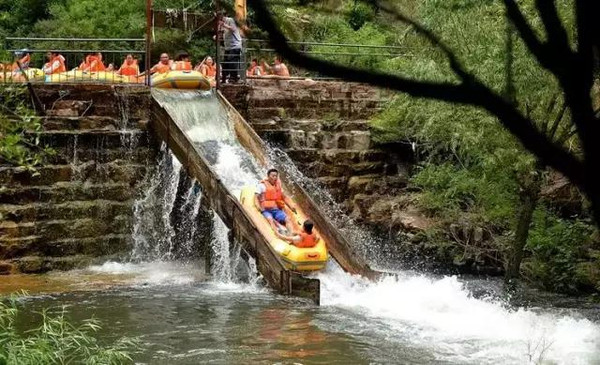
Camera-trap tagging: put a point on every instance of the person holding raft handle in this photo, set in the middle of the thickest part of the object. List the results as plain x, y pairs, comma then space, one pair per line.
270, 200
303, 239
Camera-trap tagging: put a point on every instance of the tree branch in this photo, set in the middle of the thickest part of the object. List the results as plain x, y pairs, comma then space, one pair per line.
432, 38
557, 35
536, 47
559, 117
586, 38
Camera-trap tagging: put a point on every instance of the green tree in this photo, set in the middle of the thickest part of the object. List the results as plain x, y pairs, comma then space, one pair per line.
501, 67
88, 18
467, 139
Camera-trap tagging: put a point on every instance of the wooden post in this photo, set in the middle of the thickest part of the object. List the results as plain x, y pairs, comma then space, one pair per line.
147, 63
217, 44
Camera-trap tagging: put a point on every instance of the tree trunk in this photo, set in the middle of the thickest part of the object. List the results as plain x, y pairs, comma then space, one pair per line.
529, 198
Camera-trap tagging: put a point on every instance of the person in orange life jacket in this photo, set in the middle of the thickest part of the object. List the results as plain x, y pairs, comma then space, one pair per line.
271, 200
305, 238
20, 65
163, 66
207, 67
24, 59
129, 67
255, 69
182, 62
55, 64
92, 63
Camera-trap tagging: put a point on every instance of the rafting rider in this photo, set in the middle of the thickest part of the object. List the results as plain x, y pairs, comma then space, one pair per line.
55, 64
271, 200
22, 64
303, 239
163, 66
182, 62
129, 67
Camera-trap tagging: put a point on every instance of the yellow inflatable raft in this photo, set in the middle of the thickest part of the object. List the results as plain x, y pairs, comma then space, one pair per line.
32, 74
107, 77
295, 258
181, 80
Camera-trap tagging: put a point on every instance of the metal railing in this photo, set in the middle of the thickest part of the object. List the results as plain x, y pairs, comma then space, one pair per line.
235, 67
350, 54
232, 65
74, 51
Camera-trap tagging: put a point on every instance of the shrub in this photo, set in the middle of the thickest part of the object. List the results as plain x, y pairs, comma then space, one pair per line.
557, 246
19, 144
56, 341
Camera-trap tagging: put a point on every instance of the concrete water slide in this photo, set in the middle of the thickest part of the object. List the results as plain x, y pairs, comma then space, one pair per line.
229, 209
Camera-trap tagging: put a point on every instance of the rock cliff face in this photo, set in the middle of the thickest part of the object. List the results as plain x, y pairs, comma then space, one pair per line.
79, 205
323, 126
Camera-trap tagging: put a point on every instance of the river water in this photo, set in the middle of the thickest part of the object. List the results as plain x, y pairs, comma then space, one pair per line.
184, 316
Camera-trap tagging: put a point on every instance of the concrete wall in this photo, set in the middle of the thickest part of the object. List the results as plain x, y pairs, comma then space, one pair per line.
79, 205
323, 126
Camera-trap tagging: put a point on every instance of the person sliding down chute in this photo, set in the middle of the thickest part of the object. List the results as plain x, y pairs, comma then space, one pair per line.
271, 201
303, 239
267, 206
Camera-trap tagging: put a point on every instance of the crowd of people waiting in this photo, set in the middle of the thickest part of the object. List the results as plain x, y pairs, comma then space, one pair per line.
93, 62
231, 65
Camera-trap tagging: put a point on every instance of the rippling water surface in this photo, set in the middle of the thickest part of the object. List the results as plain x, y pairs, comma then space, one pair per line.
182, 317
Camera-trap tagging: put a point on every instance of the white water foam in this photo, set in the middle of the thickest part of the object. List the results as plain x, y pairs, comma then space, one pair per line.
437, 314
235, 170
442, 314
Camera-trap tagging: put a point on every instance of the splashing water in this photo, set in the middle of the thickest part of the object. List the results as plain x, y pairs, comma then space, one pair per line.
440, 314
152, 231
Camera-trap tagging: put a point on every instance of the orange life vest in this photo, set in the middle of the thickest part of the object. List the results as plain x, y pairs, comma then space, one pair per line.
95, 64
273, 196
306, 240
208, 71
161, 68
182, 66
24, 61
129, 70
61, 67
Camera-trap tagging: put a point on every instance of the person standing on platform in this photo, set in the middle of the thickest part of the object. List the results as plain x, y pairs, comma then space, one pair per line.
232, 42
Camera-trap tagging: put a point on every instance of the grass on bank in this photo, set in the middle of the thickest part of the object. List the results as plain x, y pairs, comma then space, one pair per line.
57, 341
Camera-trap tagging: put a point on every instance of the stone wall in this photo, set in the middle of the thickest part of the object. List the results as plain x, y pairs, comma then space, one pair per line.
79, 205
323, 126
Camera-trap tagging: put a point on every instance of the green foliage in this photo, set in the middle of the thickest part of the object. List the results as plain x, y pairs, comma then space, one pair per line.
19, 143
468, 160
172, 41
18, 16
452, 192
470, 168
56, 341
90, 18
557, 246
359, 14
